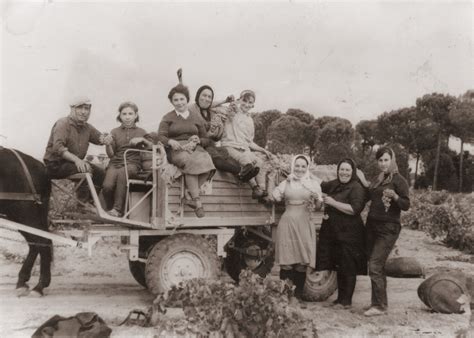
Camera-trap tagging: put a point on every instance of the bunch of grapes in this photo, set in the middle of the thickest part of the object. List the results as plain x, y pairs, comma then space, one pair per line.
386, 200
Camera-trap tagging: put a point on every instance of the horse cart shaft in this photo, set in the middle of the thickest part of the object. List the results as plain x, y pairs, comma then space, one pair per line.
56, 238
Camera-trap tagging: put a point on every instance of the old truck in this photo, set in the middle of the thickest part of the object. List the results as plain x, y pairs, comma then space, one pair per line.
166, 243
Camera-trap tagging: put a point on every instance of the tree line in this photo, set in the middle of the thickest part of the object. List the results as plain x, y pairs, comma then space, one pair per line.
421, 131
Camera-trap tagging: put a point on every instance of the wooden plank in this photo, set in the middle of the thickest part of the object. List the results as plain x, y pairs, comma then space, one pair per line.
242, 215
174, 207
212, 199
216, 192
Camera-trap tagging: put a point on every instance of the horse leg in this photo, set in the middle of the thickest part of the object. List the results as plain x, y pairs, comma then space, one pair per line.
45, 252
24, 275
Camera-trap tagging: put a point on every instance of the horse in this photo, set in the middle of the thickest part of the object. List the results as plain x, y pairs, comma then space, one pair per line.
25, 189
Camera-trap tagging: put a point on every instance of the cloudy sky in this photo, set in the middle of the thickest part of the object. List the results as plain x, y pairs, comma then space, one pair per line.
354, 60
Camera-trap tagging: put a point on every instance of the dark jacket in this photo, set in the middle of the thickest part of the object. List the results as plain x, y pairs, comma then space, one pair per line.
392, 215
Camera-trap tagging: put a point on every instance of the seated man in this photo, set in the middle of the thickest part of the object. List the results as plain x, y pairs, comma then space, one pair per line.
68, 144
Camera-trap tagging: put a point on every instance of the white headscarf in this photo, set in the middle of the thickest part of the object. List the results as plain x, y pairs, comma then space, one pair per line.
307, 180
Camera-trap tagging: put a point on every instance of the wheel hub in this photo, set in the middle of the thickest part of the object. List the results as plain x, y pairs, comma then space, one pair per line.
182, 266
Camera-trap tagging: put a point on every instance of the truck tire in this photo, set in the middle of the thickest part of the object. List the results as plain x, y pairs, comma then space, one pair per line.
137, 269
319, 286
235, 261
177, 258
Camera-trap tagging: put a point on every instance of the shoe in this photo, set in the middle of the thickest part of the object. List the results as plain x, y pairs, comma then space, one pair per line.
200, 213
340, 306
258, 192
374, 311
114, 213
190, 203
251, 174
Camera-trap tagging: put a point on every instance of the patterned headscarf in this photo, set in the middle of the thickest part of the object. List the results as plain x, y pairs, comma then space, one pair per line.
385, 178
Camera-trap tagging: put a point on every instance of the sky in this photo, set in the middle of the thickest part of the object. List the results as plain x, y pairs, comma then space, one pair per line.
354, 60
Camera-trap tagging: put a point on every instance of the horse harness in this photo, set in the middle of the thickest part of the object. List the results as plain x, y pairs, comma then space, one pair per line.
22, 196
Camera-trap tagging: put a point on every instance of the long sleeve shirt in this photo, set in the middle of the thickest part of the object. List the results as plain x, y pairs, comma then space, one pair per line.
239, 132
175, 127
377, 208
68, 135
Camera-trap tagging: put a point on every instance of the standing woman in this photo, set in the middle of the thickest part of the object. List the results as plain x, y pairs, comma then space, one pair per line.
389, 195
295, 235
341, 245
185, 133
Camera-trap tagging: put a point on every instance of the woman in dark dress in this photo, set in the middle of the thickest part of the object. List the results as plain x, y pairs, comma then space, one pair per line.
389, 195
341, 245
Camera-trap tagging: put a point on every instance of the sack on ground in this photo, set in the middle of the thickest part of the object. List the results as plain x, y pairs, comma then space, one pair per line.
404, 267
82, 325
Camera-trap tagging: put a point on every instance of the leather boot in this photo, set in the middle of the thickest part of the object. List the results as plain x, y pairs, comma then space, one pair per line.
299, 279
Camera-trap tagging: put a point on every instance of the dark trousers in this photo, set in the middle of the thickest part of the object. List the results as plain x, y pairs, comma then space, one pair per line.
59, 170
381, 238
222, 160
114, 188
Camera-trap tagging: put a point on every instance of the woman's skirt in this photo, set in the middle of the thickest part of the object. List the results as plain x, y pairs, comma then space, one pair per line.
295, 241
195, 163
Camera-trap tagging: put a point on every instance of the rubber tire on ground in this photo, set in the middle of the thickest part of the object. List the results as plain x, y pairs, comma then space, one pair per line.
137, 269
193, 246
319, 288
234, 262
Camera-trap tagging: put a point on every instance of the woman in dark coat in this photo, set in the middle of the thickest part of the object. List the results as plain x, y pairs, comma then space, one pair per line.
341, 245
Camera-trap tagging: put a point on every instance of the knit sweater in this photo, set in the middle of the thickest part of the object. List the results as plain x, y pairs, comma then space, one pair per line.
178, 128
377, 208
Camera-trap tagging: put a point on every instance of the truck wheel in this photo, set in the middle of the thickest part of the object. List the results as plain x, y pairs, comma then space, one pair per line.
319, 285
236, 261
137, 269
177, 258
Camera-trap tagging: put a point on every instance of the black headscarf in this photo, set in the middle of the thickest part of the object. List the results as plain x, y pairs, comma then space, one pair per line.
341, 186
207, 115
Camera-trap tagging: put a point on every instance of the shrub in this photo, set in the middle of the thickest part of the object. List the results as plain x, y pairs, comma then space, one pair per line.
443, 215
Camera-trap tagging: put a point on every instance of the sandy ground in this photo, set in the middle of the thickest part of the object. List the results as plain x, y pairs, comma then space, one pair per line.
103, 284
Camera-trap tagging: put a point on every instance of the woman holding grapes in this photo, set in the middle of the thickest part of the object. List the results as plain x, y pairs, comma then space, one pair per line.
389, 195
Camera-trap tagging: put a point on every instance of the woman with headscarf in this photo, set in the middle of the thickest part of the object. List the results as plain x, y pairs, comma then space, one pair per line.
341, 245
295, 235
389, 195
205, 106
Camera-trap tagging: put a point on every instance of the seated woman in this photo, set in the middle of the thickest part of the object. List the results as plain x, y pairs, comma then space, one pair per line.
185, 134
214, 123
114, 188
295, 236
341, 245
238, 138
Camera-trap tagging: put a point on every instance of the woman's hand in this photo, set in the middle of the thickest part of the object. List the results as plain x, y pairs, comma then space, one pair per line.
174, 144
391, 193
361, 176
328, 200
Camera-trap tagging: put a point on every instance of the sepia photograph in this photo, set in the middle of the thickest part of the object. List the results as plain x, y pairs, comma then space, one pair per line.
236, 168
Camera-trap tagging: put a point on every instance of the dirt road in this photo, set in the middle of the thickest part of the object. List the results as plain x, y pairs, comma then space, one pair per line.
103, 284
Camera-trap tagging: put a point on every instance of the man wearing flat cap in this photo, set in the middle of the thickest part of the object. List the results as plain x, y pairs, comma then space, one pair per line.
68, 144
